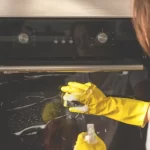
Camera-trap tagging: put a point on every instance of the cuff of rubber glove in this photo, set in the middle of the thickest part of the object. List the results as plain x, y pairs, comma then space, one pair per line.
144, 116
129, 111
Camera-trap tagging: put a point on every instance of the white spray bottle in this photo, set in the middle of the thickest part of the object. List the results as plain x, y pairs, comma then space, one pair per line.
90, 138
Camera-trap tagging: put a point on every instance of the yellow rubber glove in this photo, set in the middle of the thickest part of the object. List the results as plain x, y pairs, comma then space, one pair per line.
126, 110
81, 143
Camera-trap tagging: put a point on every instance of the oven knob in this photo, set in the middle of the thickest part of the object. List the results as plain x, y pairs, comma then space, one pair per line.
55, 41
102, 37
71, 41
23, 38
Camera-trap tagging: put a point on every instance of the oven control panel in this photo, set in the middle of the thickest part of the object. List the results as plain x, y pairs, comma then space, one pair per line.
73, 39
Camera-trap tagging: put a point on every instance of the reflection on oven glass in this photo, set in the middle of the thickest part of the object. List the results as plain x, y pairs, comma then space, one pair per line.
81, 38
33, 118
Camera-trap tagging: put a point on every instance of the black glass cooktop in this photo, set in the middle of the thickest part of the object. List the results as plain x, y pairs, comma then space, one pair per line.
27, 125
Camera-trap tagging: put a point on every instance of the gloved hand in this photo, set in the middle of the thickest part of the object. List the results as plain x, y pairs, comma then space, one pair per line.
126, 110
81, 144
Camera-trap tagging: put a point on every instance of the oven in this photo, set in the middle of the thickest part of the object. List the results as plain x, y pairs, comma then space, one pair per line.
40, 54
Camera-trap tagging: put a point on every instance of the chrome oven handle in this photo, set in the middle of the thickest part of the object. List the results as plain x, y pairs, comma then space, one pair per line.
70, 68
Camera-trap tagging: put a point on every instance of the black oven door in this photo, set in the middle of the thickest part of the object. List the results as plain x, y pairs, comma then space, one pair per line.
33, 118
38, 56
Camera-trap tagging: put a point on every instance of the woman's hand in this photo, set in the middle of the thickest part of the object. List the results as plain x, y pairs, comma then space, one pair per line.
88, 94
81, 143
126, 110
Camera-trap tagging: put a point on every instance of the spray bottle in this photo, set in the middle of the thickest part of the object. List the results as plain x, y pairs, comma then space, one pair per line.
90, 138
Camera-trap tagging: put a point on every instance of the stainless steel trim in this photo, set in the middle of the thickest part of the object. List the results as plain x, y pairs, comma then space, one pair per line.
70, 68
66, 8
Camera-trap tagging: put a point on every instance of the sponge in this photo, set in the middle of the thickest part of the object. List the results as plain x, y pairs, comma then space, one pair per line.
52, 110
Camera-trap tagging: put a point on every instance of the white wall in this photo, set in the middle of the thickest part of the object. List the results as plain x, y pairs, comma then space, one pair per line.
65, 8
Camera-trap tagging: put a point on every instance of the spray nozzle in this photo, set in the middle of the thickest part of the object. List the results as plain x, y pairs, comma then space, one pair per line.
90, 138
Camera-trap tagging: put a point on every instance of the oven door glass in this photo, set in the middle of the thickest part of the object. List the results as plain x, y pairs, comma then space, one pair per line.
33, 118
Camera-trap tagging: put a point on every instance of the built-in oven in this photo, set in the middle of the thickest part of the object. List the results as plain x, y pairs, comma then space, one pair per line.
39, 55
